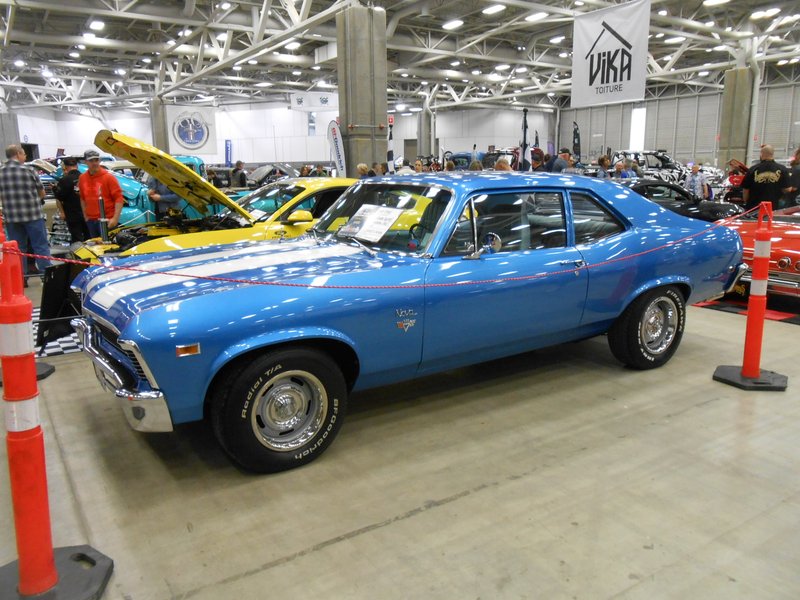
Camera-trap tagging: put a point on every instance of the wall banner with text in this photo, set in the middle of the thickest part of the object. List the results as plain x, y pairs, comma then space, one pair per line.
609, 54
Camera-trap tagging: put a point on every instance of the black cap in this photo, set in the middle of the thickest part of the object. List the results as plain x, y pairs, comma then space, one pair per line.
90, 154
565, 151
70, 161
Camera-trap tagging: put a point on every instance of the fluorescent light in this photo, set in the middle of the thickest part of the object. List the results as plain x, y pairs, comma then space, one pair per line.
502, 67
237, 67
455, 63
558, 39
415, 109
400, 107
663, 12
714, 2
97, 25
535, 17
221, 36
225, 5
252, 61
454, 24
75, 54
521, 70
563, 54
292, 45
493, 9
88, 35
702, 74
263, 84
19, 63
316, 67
675, 40
146, 60
297, 73
476, 71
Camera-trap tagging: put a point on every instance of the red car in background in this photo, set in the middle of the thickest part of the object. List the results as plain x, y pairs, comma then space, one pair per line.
784, 258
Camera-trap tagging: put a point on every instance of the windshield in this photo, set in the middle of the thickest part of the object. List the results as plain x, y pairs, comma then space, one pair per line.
386, 217
263, 202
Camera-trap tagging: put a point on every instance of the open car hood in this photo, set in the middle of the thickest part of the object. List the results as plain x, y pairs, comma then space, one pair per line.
176, 176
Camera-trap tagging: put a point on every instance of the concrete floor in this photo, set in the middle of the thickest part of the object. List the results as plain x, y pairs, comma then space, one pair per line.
555, 474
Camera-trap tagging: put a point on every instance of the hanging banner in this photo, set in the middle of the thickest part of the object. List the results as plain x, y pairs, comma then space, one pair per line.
337, 148
609, 54
311, 101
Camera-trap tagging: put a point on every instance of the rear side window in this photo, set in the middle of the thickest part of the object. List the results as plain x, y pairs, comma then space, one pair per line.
592, 221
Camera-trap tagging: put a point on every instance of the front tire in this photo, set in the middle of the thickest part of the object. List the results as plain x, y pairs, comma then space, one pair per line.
281, 411
649, 331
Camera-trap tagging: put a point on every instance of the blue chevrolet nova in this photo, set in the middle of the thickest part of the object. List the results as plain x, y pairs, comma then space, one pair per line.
266, 340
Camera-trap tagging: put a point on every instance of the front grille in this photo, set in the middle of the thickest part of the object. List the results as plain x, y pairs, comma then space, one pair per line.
112, 338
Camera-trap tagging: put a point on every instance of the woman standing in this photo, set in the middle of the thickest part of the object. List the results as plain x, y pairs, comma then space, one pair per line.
790, 198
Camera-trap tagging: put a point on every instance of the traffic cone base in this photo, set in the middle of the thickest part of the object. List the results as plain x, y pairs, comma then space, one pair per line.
767, 381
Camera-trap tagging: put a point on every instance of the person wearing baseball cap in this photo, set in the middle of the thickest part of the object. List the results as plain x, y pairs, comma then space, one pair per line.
562, 161
68, 200
101, 195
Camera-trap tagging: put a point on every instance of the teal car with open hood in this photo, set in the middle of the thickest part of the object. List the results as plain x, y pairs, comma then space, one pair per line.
402, 277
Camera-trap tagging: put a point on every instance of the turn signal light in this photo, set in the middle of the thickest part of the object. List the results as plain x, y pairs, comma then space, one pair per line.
187, 350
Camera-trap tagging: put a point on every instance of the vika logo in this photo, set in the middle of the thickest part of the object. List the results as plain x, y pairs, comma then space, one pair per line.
609, 66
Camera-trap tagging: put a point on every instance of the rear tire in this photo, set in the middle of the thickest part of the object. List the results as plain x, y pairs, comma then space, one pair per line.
281, 411
649, 331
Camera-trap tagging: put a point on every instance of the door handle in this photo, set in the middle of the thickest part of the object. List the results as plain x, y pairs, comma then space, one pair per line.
577, 262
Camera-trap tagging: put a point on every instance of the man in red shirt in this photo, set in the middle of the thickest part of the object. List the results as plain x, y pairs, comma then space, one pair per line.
95, 183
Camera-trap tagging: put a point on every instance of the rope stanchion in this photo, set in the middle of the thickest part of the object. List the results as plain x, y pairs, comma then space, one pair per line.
76, 572
750, 376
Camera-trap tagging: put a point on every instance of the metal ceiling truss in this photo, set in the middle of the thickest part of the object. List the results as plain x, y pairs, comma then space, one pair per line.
215, 52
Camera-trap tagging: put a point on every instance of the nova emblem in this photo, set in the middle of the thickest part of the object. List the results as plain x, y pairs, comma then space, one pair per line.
406, 324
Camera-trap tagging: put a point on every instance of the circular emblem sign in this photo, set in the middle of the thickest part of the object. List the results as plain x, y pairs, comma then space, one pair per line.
190, 130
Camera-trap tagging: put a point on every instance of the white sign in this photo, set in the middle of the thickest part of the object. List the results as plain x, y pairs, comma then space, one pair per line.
192, 129
337, 148
370, 223
609, 54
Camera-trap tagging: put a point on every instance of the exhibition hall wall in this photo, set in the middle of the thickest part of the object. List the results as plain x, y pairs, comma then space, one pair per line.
267, 133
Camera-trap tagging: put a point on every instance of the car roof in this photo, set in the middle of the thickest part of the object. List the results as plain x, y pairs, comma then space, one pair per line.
467, 182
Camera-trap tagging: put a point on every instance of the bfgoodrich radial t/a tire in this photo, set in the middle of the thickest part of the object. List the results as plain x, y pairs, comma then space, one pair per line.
648, 332
281, 411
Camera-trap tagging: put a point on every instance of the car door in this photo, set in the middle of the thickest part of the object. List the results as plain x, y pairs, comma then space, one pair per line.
315, 204
526, 294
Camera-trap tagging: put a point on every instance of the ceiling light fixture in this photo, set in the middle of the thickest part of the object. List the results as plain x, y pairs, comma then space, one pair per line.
19, 63
221, 36
297, 73
454, 24
455, 63
263, 84
292, 45
663, 12
147, 60
675, 40
88, 35
493, 9
715, 2
502, 67
225, 5
558, 39
535, 17
97, 25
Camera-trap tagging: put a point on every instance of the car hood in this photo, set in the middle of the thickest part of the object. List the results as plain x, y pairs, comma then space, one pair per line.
176, 176
116, 294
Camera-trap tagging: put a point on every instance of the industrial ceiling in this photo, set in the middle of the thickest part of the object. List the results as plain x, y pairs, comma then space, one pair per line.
79, 55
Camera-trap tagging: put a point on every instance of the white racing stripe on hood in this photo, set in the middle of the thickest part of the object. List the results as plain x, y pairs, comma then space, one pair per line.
156, 264
109, 294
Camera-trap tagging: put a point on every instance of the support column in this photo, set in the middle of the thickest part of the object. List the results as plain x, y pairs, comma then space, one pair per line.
158, 123
361, 63
9, 126
734, 132
424, 133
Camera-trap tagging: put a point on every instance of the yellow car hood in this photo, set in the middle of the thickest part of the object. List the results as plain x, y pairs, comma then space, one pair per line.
178, 177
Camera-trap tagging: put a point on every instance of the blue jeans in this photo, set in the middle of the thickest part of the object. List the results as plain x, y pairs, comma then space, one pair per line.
36, 233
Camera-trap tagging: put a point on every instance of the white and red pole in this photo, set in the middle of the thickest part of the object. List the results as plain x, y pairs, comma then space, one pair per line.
24, 438
751, 376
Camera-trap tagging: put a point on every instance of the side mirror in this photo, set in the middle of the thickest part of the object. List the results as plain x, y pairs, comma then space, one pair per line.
490, 243
299, 216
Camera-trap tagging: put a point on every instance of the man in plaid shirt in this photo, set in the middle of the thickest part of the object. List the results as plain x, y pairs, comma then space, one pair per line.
22, 193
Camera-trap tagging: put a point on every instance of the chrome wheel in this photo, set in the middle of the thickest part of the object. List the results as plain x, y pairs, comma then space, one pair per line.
289, 410
659, 324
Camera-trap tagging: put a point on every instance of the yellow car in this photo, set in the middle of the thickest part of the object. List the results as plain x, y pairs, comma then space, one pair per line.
285, 208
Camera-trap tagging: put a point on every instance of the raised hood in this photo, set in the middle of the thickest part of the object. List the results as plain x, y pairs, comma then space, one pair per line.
176, 176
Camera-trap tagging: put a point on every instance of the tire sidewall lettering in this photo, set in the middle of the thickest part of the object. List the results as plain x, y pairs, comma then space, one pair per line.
322, 436
256, 386
674, 296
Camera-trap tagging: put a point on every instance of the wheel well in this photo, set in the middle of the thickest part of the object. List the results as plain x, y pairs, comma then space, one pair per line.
342, 354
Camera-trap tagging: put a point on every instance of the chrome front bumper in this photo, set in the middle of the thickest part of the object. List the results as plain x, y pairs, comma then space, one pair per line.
145, 411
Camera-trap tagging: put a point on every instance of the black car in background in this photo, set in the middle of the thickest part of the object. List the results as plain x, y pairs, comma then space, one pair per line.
675, 198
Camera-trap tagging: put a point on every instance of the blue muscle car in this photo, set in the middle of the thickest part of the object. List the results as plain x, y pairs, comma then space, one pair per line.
266, 340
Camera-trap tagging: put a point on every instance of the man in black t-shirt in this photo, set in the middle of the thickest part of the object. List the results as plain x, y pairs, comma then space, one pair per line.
766, 181
69, 200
